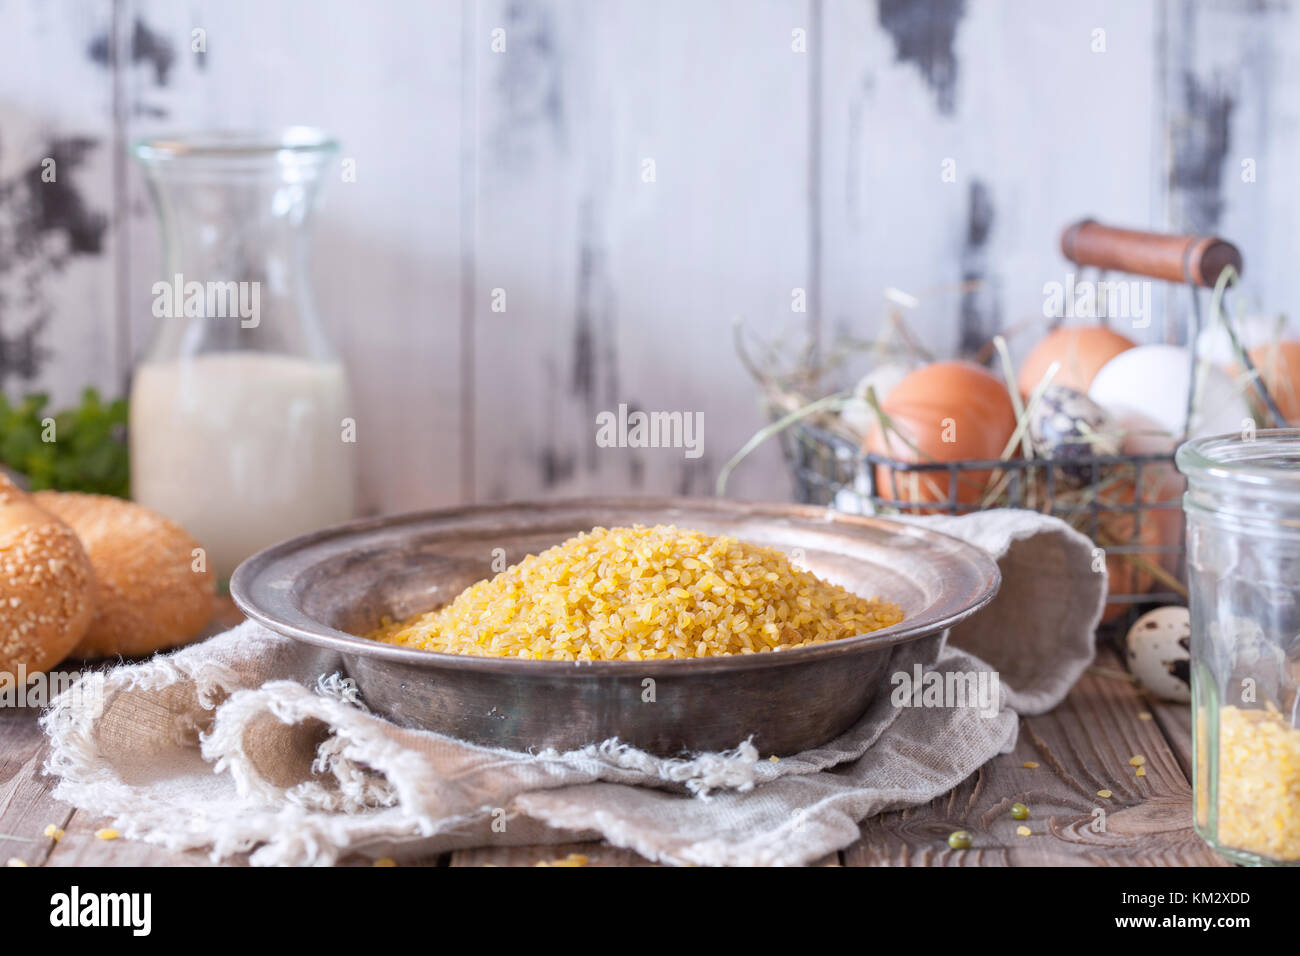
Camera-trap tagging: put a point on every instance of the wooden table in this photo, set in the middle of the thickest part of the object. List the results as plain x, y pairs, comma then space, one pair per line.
1083, 746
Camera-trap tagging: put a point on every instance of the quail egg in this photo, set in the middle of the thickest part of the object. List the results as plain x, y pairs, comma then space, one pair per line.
1065, 424
1159, 652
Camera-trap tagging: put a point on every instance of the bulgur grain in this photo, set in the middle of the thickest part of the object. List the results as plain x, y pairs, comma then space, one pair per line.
643, 593
1259, 783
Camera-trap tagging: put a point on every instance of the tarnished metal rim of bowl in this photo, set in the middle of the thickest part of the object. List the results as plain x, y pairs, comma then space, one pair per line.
325, 587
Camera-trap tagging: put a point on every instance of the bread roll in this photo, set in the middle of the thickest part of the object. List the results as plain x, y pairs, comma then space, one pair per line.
47, 586
149, 595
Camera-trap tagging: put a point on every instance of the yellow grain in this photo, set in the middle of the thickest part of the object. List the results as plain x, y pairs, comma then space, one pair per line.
643, 593
108, 833
1259, 783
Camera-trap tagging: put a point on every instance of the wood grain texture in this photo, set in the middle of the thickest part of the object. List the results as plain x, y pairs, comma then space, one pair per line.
58, 325
1036, 131
1227, 74
521, 170
597, 854
1082, 747
81, 846
615, 214
26, 807
1175, 722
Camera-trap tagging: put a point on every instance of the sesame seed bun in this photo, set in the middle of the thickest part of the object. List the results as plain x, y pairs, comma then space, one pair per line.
47, 585
150, 597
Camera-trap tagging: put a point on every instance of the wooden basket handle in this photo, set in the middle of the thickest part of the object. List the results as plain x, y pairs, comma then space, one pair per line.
1195, 259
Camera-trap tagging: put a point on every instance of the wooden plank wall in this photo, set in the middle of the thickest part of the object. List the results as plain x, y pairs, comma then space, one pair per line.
632, 177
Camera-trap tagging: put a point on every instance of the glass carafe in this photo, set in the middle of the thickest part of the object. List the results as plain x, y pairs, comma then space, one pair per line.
240, 427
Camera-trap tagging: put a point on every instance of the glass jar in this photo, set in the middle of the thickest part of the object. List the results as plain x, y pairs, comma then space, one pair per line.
1243, 559
239, 424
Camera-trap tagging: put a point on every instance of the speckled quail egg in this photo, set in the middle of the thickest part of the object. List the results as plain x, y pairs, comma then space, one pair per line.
1159, 652
1066, 424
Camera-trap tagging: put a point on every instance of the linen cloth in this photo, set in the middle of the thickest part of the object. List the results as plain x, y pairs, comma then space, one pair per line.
251, 742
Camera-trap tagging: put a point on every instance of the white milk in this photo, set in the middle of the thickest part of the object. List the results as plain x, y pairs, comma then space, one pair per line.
243, 449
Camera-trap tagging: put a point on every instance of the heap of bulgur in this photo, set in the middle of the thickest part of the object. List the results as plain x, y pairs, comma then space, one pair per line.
643, 593
1259, 783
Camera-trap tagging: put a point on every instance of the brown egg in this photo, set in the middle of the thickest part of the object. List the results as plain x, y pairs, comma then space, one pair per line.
1162, 483
1279, 367
949, 411
1081, 350
1125, 570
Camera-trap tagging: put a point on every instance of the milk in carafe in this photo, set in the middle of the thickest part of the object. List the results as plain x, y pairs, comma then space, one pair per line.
243, 449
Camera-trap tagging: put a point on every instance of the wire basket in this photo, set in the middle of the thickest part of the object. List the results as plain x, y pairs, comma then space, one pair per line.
832, 470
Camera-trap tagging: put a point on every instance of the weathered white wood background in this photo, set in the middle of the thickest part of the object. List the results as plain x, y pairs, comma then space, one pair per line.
779, 165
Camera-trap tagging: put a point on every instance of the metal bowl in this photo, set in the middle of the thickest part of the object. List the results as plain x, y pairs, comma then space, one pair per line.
326, 587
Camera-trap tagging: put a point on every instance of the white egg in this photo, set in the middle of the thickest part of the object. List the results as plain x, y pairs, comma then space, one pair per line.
857, 412
1152, 380
883, 378
1214, 345
1159, 652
